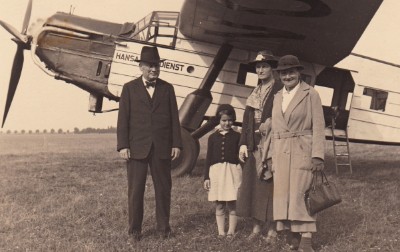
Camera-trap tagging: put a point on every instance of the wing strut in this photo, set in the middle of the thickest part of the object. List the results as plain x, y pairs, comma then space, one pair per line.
195, 105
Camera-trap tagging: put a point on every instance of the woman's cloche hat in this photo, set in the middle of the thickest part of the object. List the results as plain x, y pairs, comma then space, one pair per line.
287, 62
264, 56
150, 55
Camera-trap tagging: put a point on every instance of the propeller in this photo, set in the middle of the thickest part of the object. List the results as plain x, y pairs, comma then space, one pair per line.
23, 41
14, 79
20, 37
27, 17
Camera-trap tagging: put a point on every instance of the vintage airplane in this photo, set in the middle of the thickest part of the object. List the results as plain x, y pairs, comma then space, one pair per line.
207, 46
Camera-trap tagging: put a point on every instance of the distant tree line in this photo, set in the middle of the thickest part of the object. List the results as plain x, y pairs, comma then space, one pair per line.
76, 130
109, 129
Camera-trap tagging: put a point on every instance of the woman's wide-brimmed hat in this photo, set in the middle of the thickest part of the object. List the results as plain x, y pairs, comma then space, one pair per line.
149, 54
287, 62
264, 56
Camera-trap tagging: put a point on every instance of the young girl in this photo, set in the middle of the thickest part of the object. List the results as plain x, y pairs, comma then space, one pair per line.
223, 174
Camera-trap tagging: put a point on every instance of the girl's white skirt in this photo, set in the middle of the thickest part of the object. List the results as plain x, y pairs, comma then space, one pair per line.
225, 180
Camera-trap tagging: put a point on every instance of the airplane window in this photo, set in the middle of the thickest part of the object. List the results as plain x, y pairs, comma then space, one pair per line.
251, 79
348, 102
326, 94
378, 98
247, 75
190, 69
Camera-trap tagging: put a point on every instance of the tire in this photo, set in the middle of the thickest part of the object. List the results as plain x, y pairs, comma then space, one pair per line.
188, 157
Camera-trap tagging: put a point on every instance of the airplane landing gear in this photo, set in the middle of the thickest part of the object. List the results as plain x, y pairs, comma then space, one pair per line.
192, 111
188, 157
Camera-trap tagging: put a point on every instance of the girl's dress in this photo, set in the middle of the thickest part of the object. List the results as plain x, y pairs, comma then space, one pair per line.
222, 165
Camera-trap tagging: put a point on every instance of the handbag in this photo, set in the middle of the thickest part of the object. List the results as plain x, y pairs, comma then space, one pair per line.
321, 196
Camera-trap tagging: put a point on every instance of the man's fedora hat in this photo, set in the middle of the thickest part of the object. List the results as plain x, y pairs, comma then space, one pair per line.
149, 54
264, 56
287, 62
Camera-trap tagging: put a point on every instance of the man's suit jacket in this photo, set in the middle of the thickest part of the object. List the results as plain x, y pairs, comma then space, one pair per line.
144, 121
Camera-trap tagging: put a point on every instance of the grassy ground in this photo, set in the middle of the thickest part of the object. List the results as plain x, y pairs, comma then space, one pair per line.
68, 193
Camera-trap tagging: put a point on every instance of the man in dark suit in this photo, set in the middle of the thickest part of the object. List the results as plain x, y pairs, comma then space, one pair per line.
148, 135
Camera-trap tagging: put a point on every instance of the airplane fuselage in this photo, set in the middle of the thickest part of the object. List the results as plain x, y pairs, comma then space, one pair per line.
101, 65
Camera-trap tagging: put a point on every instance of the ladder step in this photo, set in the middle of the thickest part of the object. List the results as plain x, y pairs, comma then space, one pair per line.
344, 164
340, 144
342, 154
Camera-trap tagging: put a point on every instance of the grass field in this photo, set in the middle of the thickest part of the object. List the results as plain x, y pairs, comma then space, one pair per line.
68, 193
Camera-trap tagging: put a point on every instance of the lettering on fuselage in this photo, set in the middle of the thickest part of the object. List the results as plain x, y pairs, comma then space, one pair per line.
172, 66
128, 57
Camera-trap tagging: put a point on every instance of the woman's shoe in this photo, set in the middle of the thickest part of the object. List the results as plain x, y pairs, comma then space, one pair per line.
305, 245
294, 241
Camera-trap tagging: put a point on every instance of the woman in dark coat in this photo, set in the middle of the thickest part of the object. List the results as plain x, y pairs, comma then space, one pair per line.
255, 193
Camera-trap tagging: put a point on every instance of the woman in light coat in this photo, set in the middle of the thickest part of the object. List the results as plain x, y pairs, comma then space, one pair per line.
297, 151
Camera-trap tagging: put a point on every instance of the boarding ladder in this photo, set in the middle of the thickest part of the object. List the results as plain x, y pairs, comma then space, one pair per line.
341, 151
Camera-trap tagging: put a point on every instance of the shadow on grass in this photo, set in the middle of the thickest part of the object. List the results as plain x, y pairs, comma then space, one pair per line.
198, 170
336, 223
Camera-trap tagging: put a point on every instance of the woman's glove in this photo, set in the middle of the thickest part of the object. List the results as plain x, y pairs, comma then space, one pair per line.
243, 154
317, 164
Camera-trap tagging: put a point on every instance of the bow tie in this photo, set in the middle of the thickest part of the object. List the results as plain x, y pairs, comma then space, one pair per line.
150, 84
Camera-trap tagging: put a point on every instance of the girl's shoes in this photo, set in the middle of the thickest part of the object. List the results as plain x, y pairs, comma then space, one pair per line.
270, 239
230, 236
221, 235
252, 236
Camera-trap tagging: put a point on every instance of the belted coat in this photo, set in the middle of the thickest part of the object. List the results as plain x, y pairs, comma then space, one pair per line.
298, 136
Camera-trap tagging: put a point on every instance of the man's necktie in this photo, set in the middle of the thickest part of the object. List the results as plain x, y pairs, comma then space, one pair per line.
150, 84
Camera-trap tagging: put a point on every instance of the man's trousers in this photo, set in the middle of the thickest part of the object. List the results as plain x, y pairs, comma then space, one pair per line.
160, 170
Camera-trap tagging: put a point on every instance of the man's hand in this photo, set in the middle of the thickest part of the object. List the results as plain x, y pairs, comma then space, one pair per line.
125, 153
243, 154
175, 152
206, 184
317, 164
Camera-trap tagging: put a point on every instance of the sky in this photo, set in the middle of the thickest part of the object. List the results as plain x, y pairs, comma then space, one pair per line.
41, 102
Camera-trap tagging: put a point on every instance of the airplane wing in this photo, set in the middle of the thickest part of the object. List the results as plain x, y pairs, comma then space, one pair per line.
319, 31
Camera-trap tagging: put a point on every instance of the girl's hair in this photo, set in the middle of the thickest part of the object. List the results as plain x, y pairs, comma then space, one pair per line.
225, 109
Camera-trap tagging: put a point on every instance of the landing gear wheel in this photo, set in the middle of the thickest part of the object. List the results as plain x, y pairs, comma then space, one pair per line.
188, 157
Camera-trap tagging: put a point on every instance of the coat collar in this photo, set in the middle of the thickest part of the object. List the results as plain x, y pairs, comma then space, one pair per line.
298, 97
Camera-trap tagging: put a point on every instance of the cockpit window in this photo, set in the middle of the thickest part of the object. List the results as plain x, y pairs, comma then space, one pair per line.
159, 28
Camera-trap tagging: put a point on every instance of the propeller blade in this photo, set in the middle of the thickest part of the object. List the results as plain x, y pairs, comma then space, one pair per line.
27, 18
14, 79
14, 32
